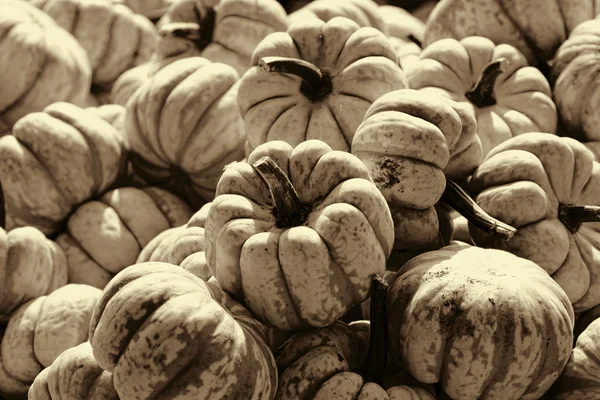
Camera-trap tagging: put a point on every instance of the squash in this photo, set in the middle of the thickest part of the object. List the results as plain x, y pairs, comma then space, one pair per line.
594, 147
543, 193
122, 221
366, 13
41, 329
584, 320
74, 374
316, 81
164, 333
55, 160
30, 266
296, 233
508, 96
402, 26
151, 9
183, 127
42, 63
535, 27
222, 31
114, 114
483, 323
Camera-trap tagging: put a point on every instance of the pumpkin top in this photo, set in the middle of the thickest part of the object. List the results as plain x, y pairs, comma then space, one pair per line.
363, 12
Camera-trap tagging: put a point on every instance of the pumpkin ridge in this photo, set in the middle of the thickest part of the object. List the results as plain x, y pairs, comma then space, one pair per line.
344, 135
212, 169
75, 20
279, 116
354, 95
133, 112
111, 38
102, 200
83, 249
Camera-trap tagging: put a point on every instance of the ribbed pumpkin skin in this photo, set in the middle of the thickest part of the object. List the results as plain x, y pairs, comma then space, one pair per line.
366, 13
74, 374
484, 323
545, 172
30, 266
149, 8
42, 63
166, 334
55, 160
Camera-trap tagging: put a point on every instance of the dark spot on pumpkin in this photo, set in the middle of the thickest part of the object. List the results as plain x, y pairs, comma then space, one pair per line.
491, 301
340, 357
388, 177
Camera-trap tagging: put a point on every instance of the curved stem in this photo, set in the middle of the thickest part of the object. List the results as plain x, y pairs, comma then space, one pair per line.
289, 210
574, 216
459, 200
482, 93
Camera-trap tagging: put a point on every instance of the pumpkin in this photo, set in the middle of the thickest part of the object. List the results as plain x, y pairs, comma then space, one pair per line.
585, 319
366, 13
484, 323
535, 27
594, 147
152, 9
55, 160
122, 221
164, 333
128, 82
401, 26
316, 81
30, 266
183, 127
42, 63
296, 233
74, 374
41, 329
509, 96
114, 114
543, 193
222, 31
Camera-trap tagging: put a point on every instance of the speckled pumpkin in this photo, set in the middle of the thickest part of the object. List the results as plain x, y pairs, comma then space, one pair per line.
316, 81
30, 266
296, 233
183, 127
55, 160
74, 374
536, 182
106, 235
365, 13
41, 329
42, 63
165, 334
483, 323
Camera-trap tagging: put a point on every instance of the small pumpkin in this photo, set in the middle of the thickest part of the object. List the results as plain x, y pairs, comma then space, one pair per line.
55, 160
42, 63
495, 326
366, 13
206, 343
296, 233
544, 194
41, 329
30, 266
316, 81
74, 374
509, 97
106, 235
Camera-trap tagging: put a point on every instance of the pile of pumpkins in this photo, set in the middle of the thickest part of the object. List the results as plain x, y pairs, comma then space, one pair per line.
328, 199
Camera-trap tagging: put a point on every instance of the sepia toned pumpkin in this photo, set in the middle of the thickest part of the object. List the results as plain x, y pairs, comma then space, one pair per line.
151, 9
366, 13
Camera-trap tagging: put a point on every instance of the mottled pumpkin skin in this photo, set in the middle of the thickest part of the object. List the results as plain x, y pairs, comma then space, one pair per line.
74, 374
183, 127
523, 96
484, 323
535, 27
41, 329
122, 221
55, 160
42, 63
523, 182
361, 63
30, 266
366, 13
164, 333
307, 275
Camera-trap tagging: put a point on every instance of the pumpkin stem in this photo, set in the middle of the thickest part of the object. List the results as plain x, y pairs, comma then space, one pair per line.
201, 33
289, 210
376, 361
458, 199
574, 216
482, 93
316, 84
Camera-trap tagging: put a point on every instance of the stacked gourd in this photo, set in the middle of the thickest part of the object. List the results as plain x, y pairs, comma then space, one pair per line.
215, 199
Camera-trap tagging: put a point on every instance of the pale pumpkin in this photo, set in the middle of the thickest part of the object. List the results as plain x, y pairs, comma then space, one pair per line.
366, 13
30, 266
316, 81
128, 82
594, 147
509, 97
401, 25
494, 326
41, 329
585, 319
114, 114
151, 9
208, 346
296, 233
106, 235
183, 126
41, 63
74, 374
55, 160
538, 183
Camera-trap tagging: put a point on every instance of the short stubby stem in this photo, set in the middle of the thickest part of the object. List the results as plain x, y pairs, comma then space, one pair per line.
482, 93
574, 216
199, 32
